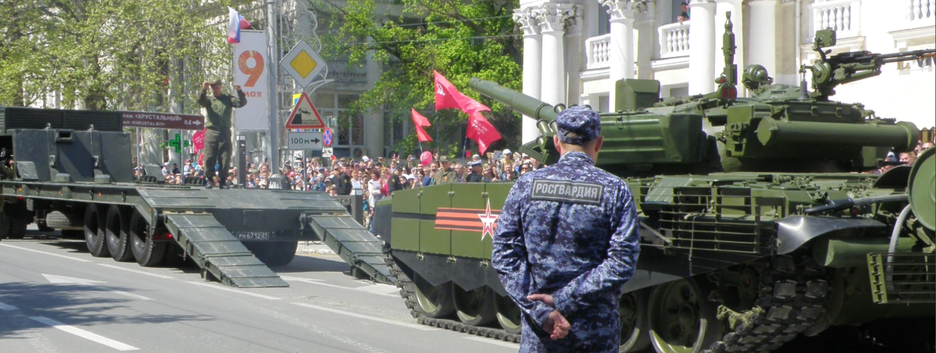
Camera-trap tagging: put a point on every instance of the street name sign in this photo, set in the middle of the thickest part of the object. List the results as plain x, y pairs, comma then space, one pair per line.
163, 121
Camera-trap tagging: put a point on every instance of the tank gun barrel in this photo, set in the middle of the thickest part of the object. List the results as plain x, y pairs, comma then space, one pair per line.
520, 102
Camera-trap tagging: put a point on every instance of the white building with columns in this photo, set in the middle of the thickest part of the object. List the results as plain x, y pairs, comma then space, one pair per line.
574, 50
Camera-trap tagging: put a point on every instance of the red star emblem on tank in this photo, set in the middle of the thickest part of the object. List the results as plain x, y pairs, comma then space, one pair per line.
488, 220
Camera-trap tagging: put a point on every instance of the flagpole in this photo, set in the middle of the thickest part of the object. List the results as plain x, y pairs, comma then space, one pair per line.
438, 142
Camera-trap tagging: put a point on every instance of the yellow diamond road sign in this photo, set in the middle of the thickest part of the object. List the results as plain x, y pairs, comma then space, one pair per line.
302, 63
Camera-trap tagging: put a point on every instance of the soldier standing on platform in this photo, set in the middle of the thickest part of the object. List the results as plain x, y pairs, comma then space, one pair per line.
219, 109
566, 242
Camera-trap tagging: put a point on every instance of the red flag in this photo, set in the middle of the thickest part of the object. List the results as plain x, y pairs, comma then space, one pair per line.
481, 130
421, 121
447, 96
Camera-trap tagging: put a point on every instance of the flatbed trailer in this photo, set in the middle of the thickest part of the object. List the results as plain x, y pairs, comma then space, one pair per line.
80, 181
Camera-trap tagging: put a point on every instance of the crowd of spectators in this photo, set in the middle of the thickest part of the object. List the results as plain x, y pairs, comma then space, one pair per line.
904, 158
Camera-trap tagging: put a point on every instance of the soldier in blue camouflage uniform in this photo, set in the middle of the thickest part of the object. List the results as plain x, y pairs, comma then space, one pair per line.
566, 242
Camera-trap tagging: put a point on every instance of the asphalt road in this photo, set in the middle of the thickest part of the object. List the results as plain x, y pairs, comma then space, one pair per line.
55, 297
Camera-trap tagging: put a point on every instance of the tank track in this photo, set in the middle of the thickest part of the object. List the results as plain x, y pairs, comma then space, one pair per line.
794, 296
408, 292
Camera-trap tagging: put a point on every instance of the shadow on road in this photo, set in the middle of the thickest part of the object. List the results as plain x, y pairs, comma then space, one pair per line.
78, 305
314, 263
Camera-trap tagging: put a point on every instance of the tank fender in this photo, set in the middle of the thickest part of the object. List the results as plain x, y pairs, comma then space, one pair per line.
794, 231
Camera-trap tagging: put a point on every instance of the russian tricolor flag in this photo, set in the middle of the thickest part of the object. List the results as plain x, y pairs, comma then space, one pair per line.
236, 24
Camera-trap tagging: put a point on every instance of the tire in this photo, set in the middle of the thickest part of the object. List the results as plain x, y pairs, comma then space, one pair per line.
116, 226
273, 253
94, 233
12, 222
146, 251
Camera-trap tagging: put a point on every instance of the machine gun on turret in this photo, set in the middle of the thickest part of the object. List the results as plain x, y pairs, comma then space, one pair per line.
831, 71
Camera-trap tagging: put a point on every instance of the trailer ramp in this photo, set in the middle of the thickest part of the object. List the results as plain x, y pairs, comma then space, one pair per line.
219, 253
347, 238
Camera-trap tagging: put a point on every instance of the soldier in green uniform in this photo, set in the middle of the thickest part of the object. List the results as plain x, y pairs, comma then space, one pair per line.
219, 107
445, 175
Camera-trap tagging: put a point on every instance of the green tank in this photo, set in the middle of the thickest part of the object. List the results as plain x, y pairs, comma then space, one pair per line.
757, 224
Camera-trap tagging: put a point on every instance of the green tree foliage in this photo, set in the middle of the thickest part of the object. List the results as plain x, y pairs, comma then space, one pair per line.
411, 38
107, 54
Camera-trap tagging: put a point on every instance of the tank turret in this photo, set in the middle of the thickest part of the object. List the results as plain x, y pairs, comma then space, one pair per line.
774, 131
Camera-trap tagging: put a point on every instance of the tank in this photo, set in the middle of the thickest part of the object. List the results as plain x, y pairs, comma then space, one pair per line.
756, 223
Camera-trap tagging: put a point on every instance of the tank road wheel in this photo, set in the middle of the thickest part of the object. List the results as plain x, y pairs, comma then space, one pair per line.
508, 314
147, 252
474, 307
633, 312
116, 226
433, 301
680, 319
94, 232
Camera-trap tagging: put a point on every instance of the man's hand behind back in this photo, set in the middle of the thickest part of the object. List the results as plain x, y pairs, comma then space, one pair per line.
556, 325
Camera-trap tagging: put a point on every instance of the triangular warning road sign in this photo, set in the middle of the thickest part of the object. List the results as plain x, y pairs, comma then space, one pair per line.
304, 115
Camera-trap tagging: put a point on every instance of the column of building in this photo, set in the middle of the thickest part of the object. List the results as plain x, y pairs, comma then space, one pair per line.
532, 71
763, 48
702, 47
646, 46
552, 19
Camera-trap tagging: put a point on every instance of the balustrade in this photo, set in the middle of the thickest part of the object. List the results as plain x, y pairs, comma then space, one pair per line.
674, 39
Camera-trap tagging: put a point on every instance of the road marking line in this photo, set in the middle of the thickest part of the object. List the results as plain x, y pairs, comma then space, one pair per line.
365, 317
131, 295
135, 271
6, 307
366, 289
494, 342
120, 346
209, 285
45, 253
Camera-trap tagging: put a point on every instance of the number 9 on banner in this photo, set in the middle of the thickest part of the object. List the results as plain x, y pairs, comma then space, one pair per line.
250, 62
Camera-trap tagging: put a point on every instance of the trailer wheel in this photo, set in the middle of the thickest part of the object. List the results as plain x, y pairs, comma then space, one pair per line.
94, 233
115, 229
147, 252
273, 253
12, 227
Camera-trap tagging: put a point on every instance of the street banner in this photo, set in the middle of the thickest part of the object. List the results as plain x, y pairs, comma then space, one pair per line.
250, 71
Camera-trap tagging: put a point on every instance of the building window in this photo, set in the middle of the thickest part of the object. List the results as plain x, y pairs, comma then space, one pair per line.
348, 126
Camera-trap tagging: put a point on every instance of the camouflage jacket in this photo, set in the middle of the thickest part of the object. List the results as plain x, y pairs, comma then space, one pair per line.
569, 230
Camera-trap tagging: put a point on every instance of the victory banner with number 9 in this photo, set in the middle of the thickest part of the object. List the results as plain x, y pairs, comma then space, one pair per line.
250, 62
